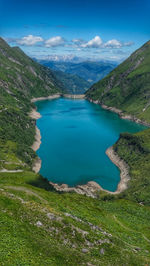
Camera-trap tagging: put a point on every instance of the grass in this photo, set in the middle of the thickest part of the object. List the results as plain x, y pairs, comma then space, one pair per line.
135, 150
127, 86
40, 226
26, 198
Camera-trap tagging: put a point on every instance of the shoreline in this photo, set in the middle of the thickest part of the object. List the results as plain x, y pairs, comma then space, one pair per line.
50, 97
37, 142
91, 188
58, 95
124, 170
74, 96
121, 114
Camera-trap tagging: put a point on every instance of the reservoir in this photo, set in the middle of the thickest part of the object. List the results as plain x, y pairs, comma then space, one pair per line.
75, 136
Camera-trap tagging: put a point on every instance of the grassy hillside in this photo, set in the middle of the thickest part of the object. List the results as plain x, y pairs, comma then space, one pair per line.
20, 80
40, 226
73, 84
127, 87
135, 150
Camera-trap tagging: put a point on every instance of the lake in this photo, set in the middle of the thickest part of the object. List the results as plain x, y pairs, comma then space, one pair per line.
75, 135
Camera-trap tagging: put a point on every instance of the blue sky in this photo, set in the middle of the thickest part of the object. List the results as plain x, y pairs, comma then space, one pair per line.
94, 29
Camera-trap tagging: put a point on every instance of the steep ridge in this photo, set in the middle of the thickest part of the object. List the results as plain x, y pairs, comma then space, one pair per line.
20, 80
21, 75
126, 91
127, 87
40, 226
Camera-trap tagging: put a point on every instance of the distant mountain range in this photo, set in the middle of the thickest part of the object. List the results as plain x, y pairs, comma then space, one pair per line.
127, 87
40, 226
87, 70
73, 59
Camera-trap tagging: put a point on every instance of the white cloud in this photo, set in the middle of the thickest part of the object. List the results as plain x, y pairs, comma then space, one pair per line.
113, 44
78, 41
29, 40
54, 41
128, 43
116, 44
96, 42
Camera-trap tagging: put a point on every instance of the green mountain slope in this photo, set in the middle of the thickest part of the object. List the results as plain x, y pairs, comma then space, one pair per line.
42, 227
127, 87
39, 226
73, 84
20, 80
20, 74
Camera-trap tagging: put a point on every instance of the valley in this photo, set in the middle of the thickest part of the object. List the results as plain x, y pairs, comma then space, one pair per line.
42, 226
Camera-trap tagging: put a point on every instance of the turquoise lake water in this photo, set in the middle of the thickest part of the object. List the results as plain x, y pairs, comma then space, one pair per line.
75, 135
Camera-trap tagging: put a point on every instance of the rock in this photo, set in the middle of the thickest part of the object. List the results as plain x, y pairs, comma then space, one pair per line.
38, 223
102, 241
138, 249
102, 251
89, 189
51, 216
64, 186
89, 244
85, 250
65, 241
146, 251
84, 233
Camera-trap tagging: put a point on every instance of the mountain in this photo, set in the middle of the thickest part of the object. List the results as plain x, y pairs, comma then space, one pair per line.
73, 84
62, 58
27, 76
127, 87
88, 70
20, 80
40, 226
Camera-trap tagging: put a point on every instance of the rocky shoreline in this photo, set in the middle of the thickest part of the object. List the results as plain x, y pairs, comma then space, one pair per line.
124, 170
58, 95
36, 115
36, 144
91, 188
74, 96
121, 114
50, 97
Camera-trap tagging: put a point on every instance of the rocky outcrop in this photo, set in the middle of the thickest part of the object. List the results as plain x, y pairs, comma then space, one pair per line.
90, 189
37, 165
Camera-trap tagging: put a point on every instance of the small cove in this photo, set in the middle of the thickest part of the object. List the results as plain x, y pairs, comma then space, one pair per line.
75, 135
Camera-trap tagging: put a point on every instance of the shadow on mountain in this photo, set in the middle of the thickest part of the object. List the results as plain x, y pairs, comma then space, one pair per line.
42, 182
